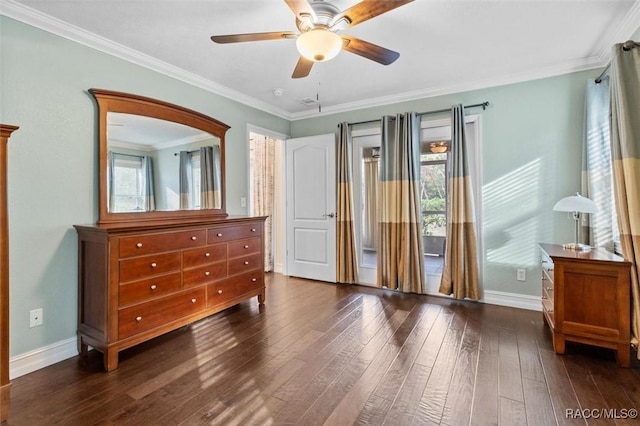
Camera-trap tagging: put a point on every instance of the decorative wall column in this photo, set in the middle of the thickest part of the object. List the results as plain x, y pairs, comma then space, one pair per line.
5, 133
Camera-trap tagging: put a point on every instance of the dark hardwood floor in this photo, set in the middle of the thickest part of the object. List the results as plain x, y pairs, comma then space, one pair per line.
320, 353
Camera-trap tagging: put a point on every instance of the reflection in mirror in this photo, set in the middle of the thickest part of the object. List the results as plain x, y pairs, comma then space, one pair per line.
159, 165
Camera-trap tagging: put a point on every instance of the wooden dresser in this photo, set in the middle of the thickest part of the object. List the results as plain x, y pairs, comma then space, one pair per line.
586, 299
137, 282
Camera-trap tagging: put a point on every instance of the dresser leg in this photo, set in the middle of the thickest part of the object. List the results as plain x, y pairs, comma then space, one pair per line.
558, 343
110, 359
261, 298
623, 355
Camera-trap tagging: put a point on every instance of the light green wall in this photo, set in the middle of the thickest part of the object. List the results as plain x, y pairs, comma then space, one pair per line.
531, 157
52, 171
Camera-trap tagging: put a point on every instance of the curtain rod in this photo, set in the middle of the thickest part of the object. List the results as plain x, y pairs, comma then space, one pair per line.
188, 152
484, 106
626, 46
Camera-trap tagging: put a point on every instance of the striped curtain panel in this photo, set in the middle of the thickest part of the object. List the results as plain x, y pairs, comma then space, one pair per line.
347, 264
210, 177
148, 192
400, 254
460, 271
262, 152
184, 178
599, 228
625, 148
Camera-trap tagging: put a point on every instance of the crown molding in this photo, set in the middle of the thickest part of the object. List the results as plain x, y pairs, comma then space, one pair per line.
65, 30
620, 33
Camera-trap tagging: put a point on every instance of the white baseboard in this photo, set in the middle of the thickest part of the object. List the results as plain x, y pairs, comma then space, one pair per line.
513, 300
45, 356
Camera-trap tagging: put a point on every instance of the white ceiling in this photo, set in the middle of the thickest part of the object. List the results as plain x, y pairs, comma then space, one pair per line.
445, 46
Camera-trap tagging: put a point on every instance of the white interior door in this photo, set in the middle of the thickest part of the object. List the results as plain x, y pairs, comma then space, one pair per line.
311, 207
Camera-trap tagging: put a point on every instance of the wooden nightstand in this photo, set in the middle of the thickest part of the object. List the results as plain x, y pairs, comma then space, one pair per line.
586, 299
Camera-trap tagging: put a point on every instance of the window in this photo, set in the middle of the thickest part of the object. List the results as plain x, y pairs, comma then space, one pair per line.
128, 183
433, 200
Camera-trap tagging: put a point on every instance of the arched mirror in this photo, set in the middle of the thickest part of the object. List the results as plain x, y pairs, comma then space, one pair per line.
158, 161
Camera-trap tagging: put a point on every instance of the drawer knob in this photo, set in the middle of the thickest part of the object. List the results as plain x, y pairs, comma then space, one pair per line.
207, 254
139, 245
194, 238
138, 319
246, 262
206, 274
246, 247
253, 280
154, 264
153, 287
253, 229
219, 291
193, 300
219, 234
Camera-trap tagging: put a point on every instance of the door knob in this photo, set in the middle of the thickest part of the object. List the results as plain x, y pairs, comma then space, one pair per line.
332, 215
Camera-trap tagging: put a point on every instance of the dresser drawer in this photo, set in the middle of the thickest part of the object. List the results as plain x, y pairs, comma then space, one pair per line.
228, 233
205, 274
166, 241
233, 287
245, 263
145, 316
204, 255
146, 266
139, 291
244, 247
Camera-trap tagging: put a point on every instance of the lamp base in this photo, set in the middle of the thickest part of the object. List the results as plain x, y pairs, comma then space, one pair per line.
576, 247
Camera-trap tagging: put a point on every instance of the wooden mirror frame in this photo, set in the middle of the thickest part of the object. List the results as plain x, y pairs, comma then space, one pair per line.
110, 101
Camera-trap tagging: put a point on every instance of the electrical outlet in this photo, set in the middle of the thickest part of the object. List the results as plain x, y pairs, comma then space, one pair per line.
521, 275
243, 201
35, 318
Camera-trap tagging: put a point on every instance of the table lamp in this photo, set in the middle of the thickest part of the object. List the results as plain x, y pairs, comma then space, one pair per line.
576, 204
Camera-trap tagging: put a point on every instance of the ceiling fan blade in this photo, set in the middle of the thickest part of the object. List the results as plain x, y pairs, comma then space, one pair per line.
303, 68
237, 38
303, 11
368, 50
366, 10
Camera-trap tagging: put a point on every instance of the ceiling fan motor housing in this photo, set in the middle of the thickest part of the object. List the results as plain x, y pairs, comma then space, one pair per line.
325, 15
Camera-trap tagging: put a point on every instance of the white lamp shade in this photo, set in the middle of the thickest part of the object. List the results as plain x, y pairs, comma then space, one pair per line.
576, 203
319, 45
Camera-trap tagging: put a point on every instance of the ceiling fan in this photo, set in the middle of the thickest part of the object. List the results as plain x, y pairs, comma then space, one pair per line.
319, 22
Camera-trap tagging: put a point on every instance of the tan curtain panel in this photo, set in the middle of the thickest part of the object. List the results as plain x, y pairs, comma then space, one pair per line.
460, 271
262, 153
400, 254
347, 264
625, 149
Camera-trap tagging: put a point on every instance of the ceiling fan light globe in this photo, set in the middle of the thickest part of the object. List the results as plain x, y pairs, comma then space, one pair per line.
319, 45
